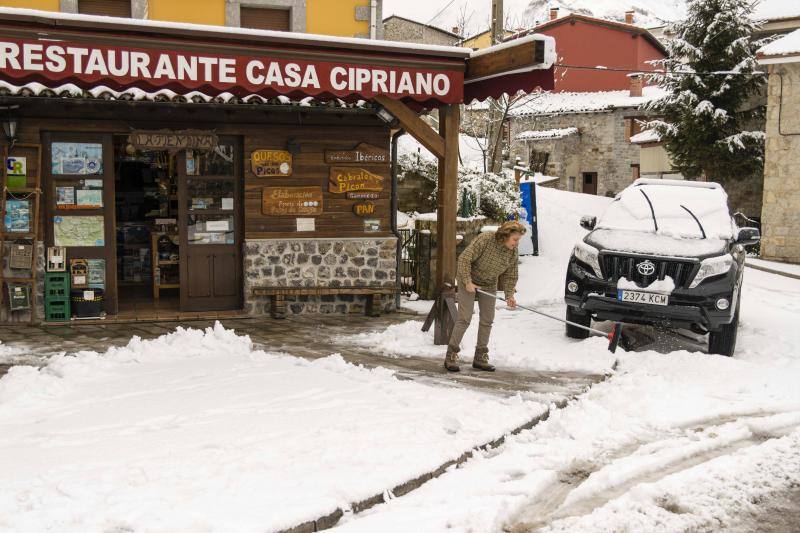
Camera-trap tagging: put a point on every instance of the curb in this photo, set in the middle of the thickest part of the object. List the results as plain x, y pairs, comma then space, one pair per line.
330, 520
773, 271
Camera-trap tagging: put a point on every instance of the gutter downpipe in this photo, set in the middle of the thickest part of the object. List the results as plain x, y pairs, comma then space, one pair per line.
373, 19
395, 137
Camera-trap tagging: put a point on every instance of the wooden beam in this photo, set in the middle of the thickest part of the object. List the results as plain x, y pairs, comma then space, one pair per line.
414, 125
508, 58
447, 197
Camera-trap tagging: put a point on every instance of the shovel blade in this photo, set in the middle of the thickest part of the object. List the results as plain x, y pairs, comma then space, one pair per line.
614, 336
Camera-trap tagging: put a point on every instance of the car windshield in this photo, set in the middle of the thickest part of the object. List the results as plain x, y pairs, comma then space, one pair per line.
672, 208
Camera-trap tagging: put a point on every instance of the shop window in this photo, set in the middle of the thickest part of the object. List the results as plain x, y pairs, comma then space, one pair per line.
538, 161
211, 229
265, 18
108, 8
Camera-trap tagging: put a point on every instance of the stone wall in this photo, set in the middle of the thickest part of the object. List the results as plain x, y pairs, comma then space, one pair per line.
780, 215
602, 146
400, 29
318, 263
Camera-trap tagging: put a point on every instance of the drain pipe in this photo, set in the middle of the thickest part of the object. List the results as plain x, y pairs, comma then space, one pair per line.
396, 232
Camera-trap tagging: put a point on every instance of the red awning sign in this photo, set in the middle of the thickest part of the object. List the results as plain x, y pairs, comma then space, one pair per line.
89, 65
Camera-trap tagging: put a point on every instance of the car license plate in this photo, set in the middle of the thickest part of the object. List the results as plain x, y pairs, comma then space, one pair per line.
640, 297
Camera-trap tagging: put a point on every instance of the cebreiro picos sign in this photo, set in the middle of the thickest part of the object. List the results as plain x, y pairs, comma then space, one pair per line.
151, 69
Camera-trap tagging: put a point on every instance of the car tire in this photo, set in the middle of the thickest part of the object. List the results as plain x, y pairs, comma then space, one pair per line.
579, 318
723, 341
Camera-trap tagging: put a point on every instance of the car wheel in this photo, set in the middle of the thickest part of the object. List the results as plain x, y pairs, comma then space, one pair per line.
579, 318
723, 341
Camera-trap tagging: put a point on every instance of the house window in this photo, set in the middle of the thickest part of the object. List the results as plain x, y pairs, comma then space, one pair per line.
265, 18
571, 183
635, 172
108, 8
633, 125
538, 161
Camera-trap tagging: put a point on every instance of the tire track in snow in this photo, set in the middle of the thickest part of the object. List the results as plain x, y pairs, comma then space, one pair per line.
573, 496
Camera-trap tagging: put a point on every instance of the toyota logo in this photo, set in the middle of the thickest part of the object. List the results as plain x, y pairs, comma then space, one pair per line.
646, 268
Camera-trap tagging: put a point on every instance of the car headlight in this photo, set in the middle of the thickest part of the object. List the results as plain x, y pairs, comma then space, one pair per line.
588, 254
713, 266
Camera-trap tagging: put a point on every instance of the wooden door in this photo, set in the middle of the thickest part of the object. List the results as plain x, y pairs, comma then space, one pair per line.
79, 201
590, 182
210, 227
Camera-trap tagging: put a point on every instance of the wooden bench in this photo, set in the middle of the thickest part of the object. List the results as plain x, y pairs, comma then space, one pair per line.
278, 296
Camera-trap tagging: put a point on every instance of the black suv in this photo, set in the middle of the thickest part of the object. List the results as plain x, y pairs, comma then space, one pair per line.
665, 252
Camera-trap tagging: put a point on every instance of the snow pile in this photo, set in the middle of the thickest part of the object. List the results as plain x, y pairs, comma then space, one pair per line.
664, 286
197, 431
646, 136
617, 444
556, 133
787, 45
583, 102
776, 9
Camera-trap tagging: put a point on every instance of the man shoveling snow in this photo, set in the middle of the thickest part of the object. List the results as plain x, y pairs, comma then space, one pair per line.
490, 261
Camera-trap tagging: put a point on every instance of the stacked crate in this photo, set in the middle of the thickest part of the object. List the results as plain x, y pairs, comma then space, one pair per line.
56, 297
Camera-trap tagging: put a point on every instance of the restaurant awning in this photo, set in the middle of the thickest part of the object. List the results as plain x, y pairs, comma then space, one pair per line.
90, 51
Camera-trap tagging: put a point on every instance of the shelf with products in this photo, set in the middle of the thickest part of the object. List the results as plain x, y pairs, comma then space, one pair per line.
166, 261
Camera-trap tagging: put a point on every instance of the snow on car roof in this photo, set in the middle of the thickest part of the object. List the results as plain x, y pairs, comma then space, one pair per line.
675, 204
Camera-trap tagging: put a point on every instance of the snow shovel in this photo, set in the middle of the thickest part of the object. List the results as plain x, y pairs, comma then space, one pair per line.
613, 336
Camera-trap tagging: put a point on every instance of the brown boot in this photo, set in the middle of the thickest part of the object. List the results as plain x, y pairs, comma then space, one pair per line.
481, 361
451, 360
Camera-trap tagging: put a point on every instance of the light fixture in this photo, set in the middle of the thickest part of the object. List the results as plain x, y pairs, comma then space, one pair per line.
723, 304
10, 123
572, 286
385, 116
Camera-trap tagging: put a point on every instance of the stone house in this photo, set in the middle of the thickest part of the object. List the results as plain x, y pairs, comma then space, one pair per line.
583, 138
780, 216
397, 28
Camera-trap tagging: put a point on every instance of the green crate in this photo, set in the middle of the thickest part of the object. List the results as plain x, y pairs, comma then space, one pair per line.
56, 311
56, 286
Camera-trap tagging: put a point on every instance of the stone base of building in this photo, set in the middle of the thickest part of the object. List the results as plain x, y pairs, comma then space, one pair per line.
318, 263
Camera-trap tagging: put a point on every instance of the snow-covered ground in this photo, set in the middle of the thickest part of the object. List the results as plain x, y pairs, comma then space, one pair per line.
197, 431
676, 441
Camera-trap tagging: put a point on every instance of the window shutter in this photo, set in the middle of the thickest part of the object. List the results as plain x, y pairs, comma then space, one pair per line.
265, 18
109, 8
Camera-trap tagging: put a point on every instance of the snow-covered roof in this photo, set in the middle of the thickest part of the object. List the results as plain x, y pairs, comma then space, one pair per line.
557, 103
776, 10
785, 46
646, 136
538, 135
538, 177
101, 92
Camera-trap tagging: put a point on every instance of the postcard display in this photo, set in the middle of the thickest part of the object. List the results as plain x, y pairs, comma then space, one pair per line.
78, 220
19, 208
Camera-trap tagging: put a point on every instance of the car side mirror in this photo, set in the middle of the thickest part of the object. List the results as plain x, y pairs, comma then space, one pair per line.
748, 236
588, 222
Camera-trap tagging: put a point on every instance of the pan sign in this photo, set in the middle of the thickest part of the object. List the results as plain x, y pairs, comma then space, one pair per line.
349, 179
364, 209
62, 59
267, 163
363, 154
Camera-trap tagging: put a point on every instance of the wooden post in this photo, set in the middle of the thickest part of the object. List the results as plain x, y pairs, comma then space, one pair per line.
446, 213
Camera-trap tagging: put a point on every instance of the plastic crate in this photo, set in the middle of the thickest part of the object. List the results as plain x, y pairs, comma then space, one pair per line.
57, 311
56, 286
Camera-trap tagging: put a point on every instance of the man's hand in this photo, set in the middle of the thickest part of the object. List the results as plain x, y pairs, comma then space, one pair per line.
511, 302
471, 287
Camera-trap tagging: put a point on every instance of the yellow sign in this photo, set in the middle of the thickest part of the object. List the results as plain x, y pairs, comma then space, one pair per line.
269, 163
348, 179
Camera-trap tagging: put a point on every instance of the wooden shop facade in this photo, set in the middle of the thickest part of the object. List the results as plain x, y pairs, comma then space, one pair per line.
168, 171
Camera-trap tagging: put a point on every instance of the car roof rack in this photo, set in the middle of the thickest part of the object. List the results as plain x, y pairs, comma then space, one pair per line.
677, 183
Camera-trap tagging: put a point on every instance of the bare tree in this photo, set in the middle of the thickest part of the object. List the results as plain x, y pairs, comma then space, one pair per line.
463, 19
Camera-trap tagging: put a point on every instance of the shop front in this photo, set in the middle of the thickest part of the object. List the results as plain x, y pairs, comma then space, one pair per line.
174, 172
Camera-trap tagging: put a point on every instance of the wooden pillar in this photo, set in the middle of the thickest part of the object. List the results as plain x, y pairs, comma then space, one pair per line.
447, 198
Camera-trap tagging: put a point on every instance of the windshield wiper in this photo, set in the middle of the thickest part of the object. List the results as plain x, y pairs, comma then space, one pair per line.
652, 211
699, 225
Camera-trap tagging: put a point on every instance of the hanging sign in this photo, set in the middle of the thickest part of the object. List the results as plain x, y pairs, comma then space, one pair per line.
88, 64
266, 163
362, 154
284, 201
173, 141
364, 209
349, 179
359, 195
